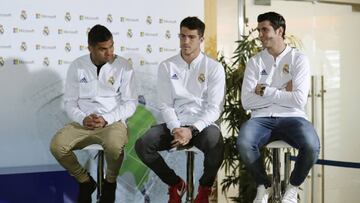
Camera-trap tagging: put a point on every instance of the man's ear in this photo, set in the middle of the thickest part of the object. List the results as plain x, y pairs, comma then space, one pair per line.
281, 31
201, 39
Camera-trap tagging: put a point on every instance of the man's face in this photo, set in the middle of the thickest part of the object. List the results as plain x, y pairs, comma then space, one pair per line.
267, 35
102, 52
190, 41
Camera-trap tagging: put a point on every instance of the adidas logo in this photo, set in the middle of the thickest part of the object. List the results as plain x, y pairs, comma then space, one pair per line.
175, 77
263, 72
83, 80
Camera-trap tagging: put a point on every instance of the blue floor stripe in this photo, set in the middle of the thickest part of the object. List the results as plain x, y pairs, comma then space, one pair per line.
43, 187
334, 163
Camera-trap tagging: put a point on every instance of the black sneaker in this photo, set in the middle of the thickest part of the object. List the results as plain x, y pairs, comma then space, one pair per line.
108, 192
85, 190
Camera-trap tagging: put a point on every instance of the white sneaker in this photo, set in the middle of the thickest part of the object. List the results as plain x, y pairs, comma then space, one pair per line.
262, 194
290, 195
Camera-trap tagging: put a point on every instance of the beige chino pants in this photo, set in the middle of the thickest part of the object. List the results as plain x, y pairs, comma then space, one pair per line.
74, 136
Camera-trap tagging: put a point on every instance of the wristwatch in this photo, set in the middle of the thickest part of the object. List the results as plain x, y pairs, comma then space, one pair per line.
194, 130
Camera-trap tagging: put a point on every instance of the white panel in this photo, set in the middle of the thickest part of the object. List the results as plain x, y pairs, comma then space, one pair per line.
35, 63
38, 41
227, 25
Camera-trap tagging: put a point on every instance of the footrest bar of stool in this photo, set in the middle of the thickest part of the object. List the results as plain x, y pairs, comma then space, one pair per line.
100, 174
190, 177
276, 175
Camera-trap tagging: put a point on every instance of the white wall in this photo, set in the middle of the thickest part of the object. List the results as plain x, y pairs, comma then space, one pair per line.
227, 34
38, 41
31, 78
227, 24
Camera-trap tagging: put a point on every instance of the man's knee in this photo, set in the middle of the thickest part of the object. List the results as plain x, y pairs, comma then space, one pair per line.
311, 140
114, 150
213, 137
242, 144
245, 149
59, 143
57, 148
54, 147
312, 149
142, 145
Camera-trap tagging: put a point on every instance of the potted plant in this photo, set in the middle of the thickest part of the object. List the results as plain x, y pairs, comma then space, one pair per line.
234, 115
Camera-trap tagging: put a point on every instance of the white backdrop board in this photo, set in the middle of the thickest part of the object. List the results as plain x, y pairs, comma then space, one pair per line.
38, 41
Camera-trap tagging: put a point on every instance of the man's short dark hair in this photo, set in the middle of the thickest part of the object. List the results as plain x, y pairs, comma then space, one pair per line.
97, 34
276, 20
193, 23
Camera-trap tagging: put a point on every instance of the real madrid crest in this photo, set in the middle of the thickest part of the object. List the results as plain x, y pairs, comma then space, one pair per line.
109, 18
111, 80
149, 20
286, 69
129, 33
2, 62
201, 78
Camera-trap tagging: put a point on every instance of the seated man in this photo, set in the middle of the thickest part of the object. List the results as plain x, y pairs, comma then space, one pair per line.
191, 90
98, 99
275, 89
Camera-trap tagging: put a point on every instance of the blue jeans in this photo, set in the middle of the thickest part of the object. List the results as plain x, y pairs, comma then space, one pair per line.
296, 131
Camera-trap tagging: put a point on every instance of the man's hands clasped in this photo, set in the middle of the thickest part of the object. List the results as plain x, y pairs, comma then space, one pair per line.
182, 137
94, 121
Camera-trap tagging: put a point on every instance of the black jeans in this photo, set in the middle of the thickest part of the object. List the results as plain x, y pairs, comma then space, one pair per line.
158, 138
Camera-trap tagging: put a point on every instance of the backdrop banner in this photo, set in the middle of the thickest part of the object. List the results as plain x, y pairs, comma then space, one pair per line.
38, 41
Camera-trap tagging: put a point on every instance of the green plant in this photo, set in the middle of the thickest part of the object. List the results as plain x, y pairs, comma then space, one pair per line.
234, 115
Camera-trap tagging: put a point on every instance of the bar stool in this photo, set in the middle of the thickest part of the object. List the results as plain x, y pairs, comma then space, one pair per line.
275, 147
190, 159
100, 167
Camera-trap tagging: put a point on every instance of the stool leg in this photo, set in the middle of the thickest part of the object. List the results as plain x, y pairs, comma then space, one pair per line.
190, 177
100, 174
287, 167
276, 176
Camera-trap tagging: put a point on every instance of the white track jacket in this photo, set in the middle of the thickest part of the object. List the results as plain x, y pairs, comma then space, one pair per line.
109, 94
190, 94
276, 102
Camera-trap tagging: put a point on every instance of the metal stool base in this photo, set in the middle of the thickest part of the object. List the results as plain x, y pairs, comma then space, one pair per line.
276, 165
